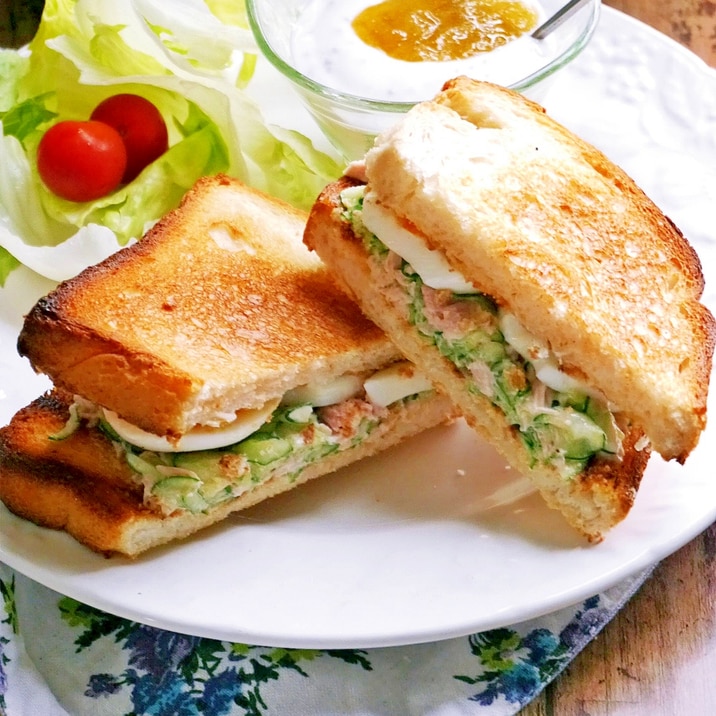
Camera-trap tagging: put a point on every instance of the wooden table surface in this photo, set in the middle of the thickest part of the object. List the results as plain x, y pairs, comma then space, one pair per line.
658, 656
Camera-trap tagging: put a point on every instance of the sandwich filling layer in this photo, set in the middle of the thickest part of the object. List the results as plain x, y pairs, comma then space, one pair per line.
560, 420
310, 423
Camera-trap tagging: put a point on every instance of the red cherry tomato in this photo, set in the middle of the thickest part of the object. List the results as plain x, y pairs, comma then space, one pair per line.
140, 125
81, 161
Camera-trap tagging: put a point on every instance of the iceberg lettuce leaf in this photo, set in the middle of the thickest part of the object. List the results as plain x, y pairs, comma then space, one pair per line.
8, 263
193, 60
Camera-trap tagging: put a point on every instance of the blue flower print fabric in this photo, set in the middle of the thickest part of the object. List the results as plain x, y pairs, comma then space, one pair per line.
59, 657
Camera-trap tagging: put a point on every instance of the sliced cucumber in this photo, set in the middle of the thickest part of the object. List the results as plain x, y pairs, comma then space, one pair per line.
181, 491
176, 483
141, 466
203, 462
490, 352
72, 424
477, 345
599, 412
264, 450
573, 433
576, 399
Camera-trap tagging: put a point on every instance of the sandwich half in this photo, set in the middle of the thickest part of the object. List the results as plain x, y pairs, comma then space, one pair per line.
209, 366
535, 284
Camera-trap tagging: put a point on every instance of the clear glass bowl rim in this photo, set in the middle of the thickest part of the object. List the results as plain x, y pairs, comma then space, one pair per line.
364, 103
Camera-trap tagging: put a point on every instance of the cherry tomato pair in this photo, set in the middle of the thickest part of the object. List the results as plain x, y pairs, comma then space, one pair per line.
86, 160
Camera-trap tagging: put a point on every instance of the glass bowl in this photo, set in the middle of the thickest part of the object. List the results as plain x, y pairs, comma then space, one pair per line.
349, 119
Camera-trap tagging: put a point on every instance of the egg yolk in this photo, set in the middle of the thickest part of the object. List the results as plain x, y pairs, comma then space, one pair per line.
439, 30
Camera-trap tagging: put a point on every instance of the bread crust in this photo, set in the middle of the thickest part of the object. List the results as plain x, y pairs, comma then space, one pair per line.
593, 502
219, 307
548, 226
83, 486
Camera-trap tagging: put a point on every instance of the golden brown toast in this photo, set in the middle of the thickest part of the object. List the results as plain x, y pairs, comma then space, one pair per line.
593, 502
219, 307
558, 235
83, 486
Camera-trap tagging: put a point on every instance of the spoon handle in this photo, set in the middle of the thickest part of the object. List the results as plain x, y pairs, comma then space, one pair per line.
557, 19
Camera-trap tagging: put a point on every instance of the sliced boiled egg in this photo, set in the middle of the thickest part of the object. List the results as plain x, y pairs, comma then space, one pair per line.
544, 361
322, 394
201, 437
517, 336
431, 266
394, 383
549, 373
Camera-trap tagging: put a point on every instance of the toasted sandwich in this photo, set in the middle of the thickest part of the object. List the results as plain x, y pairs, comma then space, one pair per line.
535, 284
207, 367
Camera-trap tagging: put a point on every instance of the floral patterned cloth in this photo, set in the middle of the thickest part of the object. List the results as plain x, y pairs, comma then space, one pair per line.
59, 657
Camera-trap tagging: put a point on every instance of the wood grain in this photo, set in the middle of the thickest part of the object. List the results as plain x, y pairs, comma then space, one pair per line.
690, 22
657, 656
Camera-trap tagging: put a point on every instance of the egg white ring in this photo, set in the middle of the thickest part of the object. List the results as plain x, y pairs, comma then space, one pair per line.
201, 437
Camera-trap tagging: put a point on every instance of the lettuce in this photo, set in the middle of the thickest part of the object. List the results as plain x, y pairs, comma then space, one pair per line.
193, 60
12, 66
8, 263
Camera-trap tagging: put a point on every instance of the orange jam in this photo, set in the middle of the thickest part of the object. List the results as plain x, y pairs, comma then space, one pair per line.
419, 30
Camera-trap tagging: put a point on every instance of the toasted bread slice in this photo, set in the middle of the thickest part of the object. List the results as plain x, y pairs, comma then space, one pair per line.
592, 502
219, 307
82, 484
562, 238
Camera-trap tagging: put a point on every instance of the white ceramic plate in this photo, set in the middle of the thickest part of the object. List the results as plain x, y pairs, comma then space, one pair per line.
436, 538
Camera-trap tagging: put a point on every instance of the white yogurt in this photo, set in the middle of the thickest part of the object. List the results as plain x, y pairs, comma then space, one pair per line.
325, 48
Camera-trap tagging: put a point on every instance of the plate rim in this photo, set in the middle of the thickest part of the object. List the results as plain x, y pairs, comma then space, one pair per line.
56, 582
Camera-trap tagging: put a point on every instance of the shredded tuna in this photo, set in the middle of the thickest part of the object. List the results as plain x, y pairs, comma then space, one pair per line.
453, 318
392, 263
344, 419
387, 275
484, 379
